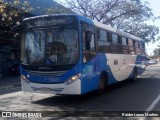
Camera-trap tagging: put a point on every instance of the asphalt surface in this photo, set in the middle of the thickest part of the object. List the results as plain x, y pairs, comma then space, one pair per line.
10, 84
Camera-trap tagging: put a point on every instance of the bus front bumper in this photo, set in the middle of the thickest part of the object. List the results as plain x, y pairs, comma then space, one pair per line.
73, 88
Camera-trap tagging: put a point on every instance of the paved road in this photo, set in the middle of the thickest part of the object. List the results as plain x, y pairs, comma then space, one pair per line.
141, 95
10, 84
10, 89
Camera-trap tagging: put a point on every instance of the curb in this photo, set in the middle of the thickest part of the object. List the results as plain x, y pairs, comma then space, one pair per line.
8, 87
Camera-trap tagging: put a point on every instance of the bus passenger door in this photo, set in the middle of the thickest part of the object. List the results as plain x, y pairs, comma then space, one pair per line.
90, 79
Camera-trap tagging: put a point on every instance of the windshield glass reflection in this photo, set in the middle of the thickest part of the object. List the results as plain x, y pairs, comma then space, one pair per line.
50, 47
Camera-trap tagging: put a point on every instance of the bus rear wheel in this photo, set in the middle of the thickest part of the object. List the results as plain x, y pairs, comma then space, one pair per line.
134, 77
102, 85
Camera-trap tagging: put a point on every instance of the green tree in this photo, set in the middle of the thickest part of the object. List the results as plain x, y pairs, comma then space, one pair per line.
11, 14
156, 51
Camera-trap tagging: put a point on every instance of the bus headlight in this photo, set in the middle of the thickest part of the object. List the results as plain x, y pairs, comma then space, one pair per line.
72, 79
24, 78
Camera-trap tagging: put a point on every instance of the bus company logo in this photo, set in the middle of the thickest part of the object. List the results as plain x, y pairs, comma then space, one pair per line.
45, 68
6, 114
21, 114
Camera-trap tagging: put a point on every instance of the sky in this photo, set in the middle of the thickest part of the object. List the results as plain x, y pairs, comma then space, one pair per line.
155, 6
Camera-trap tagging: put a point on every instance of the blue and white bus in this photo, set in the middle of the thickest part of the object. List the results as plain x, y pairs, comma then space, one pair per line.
72, 54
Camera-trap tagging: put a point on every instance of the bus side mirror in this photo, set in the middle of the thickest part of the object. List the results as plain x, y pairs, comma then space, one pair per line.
88, 36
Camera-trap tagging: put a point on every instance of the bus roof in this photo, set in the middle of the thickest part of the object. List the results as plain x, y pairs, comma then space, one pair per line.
41, 16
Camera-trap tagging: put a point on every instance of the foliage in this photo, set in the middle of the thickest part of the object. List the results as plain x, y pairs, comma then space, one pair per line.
126, 15
156, 51
11, 10
11, 13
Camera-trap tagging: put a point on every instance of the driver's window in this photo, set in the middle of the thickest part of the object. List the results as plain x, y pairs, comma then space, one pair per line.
88, 46
92, 43
84, 41
88, 43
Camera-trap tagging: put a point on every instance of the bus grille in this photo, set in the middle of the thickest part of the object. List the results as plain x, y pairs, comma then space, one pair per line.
53, 73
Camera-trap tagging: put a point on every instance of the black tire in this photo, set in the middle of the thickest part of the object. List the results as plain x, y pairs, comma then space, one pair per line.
134, 77
102, 85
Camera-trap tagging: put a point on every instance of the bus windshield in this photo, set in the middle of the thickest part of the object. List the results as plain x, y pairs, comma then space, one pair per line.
50, 47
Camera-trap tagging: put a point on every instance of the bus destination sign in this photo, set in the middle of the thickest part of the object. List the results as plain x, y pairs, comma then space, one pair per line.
50, 21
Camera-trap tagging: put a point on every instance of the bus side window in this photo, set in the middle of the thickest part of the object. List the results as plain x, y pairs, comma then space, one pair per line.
103, 42
119, 39
125, 45
109, 36
115, 46
124, 41
120, 46
131, 46
114, 38
137, 47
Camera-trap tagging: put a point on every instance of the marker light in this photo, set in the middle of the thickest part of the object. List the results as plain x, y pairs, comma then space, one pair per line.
25, 79
73, 79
